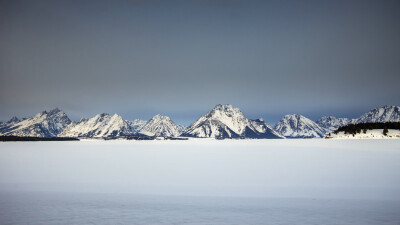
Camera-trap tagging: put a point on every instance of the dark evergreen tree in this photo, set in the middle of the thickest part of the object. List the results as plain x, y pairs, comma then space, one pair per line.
385, 131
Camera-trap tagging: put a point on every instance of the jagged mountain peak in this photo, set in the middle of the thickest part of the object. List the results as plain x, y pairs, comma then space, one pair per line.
296, 119
228, 115
383, 114
224, 106
117, 117
160, 126
389, 106
105, 116
160, 117
102, 115
83, 120
295, 116
226, 121
328, 118
55, 111
14, 119
299, 126
260, 129
51, 111
100, 125
226, 109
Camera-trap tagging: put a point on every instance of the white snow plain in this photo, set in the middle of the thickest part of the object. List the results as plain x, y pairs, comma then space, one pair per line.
314, 168
201, 181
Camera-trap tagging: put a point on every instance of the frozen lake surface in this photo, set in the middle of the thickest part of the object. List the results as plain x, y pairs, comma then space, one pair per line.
77, 208
201, 182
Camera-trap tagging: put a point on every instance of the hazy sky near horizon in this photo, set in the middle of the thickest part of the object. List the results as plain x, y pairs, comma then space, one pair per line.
181, 58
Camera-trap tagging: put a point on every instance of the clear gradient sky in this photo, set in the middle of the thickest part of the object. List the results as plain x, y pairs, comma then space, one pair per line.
181, 58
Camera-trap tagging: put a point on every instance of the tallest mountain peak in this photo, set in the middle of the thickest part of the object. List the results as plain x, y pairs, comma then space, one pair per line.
159, 117
225, 110
55, 110
225, 107
226, 121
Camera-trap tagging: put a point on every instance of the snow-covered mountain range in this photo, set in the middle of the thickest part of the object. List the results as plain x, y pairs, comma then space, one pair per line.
225, 121
101, 125
298, 126
44, 124
161, 126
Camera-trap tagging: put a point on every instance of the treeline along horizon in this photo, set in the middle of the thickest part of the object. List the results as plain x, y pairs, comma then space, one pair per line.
19, 138
357, 128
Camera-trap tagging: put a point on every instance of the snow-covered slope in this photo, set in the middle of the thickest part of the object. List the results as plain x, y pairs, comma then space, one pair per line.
369, 134
331, 123
298, 126
101, 125
225, 121
44, 124
181, 128
160, 126
260, 129
12, 121
136, 125
383, 114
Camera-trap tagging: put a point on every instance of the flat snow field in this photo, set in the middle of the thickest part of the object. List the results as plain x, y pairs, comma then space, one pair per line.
201, 181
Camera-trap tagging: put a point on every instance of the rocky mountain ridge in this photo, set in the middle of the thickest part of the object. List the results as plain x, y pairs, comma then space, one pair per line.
223, 121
